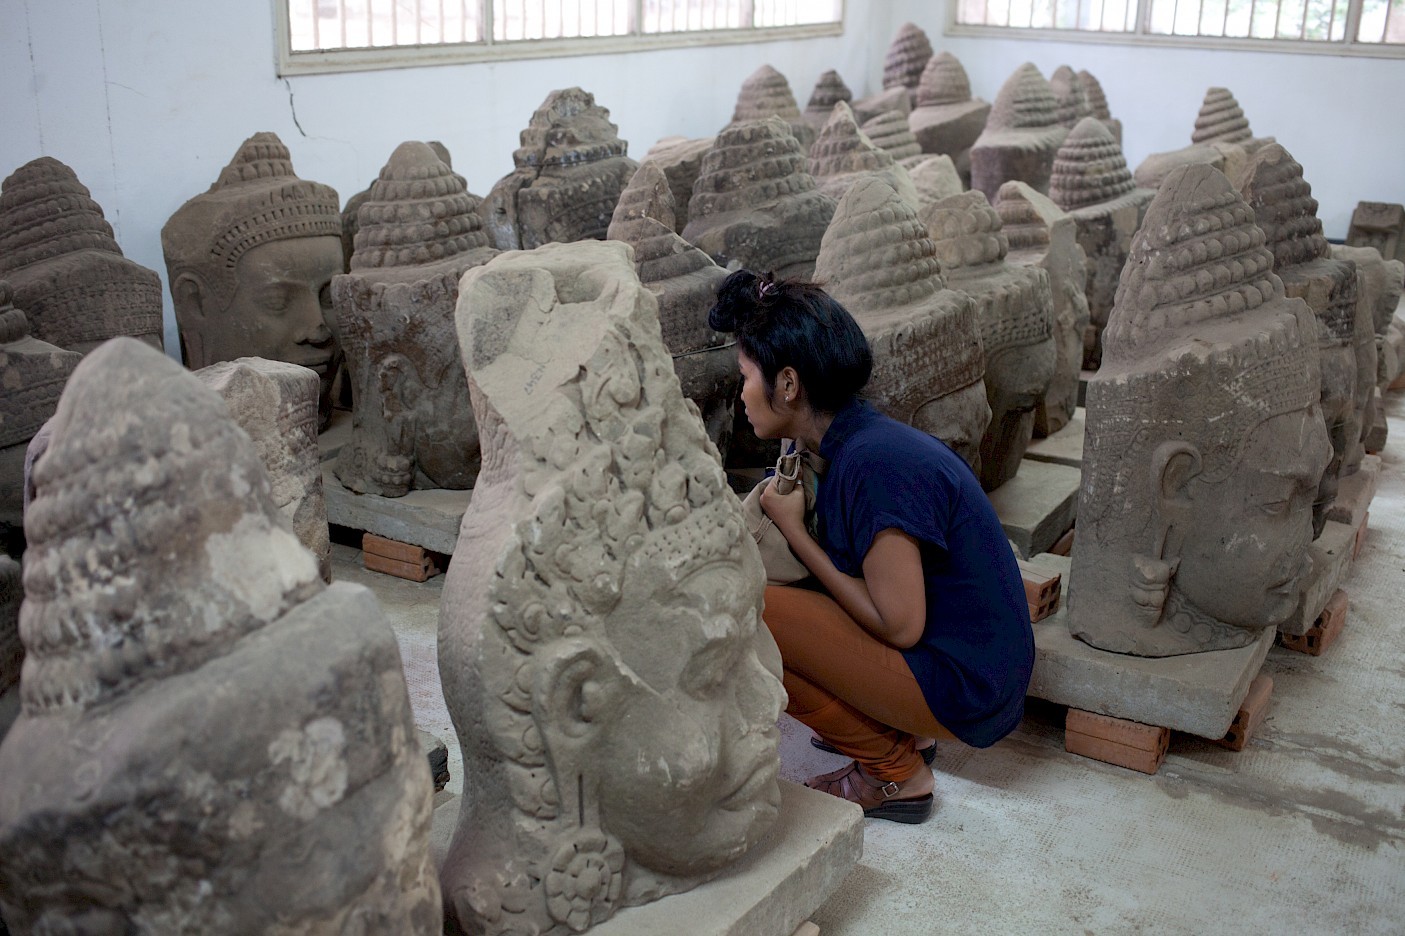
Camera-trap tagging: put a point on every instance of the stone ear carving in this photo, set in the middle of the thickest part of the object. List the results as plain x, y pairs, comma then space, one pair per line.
576, 687
1173, 464
188, 294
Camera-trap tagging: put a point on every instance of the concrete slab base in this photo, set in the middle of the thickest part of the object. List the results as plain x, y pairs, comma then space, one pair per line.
1064, 447
1198, 693
422, 518
1354, 493
1037, 505
1331, 561
772, 891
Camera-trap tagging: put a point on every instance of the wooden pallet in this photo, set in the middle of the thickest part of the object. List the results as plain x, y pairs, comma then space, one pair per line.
1043, 590
1116, 740
1250, 715
401, 560
1324, 632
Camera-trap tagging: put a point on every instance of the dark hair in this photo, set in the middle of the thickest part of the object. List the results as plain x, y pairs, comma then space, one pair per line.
797, 324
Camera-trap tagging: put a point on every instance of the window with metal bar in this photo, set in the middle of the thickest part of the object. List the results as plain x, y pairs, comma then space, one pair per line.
1345, 23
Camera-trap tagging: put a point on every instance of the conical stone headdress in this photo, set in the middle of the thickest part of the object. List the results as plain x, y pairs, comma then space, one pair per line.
906, 57
943, 81
889, 131
1070, 97
830, 89
1221, 120
1089, 168
766, 93
419, 211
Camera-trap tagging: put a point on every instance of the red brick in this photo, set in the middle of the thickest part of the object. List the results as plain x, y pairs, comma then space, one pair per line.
1039, 583
1064, 546
414, 571
1251, 714
1324, 632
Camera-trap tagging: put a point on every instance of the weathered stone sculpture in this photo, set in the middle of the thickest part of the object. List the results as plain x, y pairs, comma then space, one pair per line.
32, 376
1204, 443
1091, 182
351, 211
843, 154
600, 642
11, 647
947, 120
890, 132
69, 276
1042, 235
1274, 187
1380, 225
906, 58
830, 89
1069, 96
275, 403
1379, 286
684, 280
681, 160
935, 178
755, 205
1015, 307
239, 732
878, 260
571, 168
249, 263
894, 99
1021, 136
412, 425
766, 93
1221, 139
1097, 104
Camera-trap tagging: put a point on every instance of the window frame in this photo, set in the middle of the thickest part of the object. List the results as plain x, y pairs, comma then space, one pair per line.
327, 61
1142, 36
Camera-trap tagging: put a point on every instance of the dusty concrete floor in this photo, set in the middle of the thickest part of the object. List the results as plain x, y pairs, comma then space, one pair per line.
1303, 831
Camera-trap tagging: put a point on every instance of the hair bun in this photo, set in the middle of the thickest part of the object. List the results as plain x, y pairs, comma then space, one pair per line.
739, 301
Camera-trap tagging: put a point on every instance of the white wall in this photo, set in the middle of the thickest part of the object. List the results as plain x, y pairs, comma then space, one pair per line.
148, 99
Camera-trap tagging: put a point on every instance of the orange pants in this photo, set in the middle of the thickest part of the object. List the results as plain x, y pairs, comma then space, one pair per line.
849, 687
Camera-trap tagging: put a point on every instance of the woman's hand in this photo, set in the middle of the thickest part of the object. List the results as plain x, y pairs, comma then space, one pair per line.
787, 511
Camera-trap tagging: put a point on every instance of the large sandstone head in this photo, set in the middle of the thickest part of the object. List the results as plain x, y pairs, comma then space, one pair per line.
943, 81
600, 641
906, 58
194, 691
766, 93
1089, 168
1070, 96
843, 154
68, 274
250, 262
1205, 442
1021, 135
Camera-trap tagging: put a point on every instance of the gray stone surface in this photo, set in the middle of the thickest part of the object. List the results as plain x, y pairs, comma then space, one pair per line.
1064, 447
1355, 492
423, 518
1198, 693
1331, 561
1037, 506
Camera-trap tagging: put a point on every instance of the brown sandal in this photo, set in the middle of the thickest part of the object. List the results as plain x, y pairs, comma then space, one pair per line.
874, 796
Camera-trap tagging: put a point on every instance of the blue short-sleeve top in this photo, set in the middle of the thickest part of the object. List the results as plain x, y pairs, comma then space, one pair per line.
974, 659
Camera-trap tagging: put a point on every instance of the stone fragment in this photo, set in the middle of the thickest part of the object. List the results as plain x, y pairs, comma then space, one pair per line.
947, 120
766, 93
1097, 104
1204, 445
1042, 235
1015, 307
571, 167
684, 280
1285, 210
60, 257
249, 264
755, 205
830, 89
1221, 139
412, 425
843, 154
890, 132
600, 642
681, 160
1378, 287
1380, 225
192, 689
878, 260
906, 58
275, 403
894, 99
1070, 96
935, 178
1091, 182
1021, 135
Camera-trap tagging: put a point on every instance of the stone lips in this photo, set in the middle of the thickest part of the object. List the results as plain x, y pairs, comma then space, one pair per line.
419, 211
255, 200
906, 58
1089, 168
1221, 120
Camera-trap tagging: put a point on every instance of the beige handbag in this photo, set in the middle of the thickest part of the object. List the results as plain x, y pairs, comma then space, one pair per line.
795, 467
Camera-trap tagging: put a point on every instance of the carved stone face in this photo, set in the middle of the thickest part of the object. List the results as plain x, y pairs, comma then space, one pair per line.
688, 765
1244, 540
1015, 381
1342, 419
959, 419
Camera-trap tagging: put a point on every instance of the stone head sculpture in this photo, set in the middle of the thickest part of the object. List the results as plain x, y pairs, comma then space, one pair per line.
1285, 210
1070, 96
60, 257
570, 170
843, 154
684, 280
1379, 283
878, 260
412, 427
600, 642
1042, 235
756, 205
935, 178
1380, 225
193, 689
907, 56
1097, 104
830, 89
1221, 138
1091, 182
1221, 119
251, 261
766, 93
1205, 442
680, 160
889, 131
1015, 307
1021, 136
947, 120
